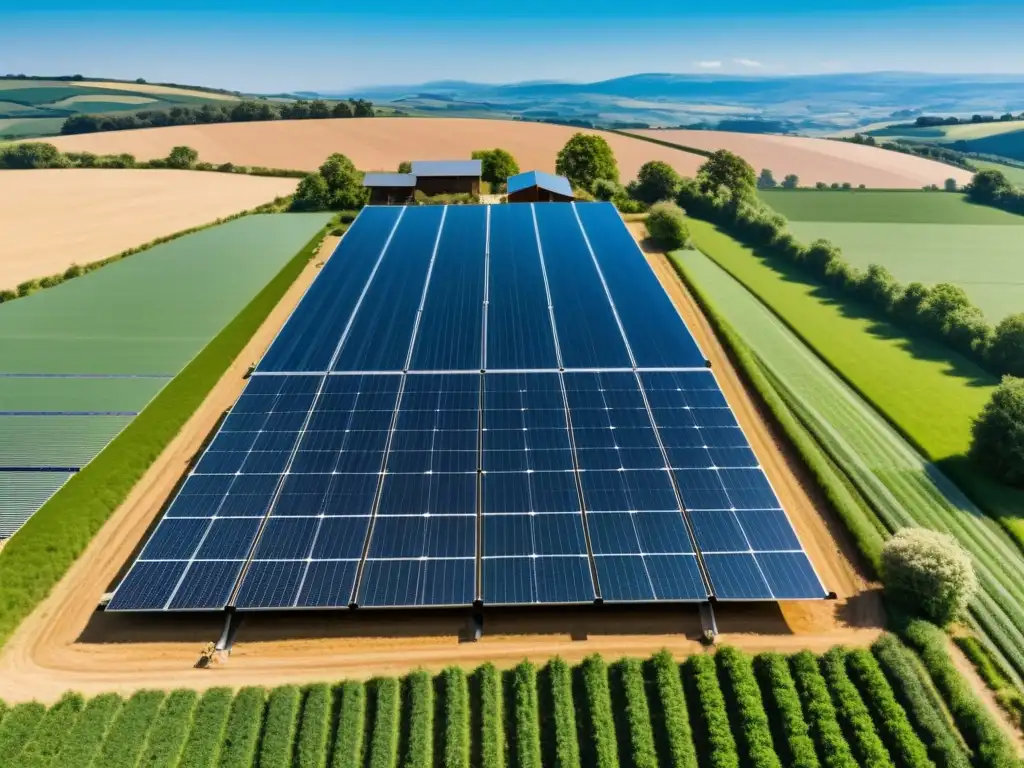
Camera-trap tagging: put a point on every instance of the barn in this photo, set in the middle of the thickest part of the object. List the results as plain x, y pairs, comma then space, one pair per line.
539, 187
447, 177
390, 188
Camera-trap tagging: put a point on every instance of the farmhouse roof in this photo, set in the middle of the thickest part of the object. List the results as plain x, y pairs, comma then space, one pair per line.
447, 168
389, 180
557, 184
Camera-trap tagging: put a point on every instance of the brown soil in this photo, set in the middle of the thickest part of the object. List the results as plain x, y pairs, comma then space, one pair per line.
65, 644
985, 694
373, 144
55, 218
815, 160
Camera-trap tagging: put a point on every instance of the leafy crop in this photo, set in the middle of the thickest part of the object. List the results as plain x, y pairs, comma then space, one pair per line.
127, 736
821, 713
348, 745
567, 747
524, 686
384, 743
17, 728
492, 717
673, 711
864, 739
721, 745
243, 729
279, 727
167, 737
782, 703
50, 735
420, 696
86, 737
456, 718
314, 728
599, 707
754, 731
202, 748
638, 714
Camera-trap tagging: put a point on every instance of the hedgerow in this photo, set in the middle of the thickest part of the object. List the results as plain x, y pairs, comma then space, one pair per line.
492, 717
638, 715
599, 707
279, 727
127, 736
524, 686
50, 735
202, 748
675, 717
721, 746
821, 712
167, 737
314, 727
348, 744
420, 701
86, 737
865, 741
456, 718
18, 727
754, 731
567, 746
991, 747
890, 718
901, 668
384, 742
243, 729
782, 704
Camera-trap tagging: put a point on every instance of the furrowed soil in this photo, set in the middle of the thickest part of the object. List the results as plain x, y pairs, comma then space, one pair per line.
66, 645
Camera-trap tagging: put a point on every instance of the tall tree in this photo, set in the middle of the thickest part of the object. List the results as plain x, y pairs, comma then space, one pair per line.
497, 165
585, 158
728, 171
655, 181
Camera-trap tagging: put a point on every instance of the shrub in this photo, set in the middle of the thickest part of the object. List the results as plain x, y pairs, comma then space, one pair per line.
497, 165
666, 225
891, 719
312, 194
720, 746
348, 744
928, 573
727, 173
821, 713
492, 717
783, 705
879, 287
820, 185
626, 204
673, 710
7, 295
279, 727
909, 305
847, 186
752, 721
420, 700
950, 185
638, 715
311, 750
585, 158
384, 741
606, 190
27, 288
18, 727
901, 668
792, 181
86, 737
567, 748
127, 736
182, 158
456, 719
991, 747
655, 181
165, 742
863, 737
767, 180
1006, 349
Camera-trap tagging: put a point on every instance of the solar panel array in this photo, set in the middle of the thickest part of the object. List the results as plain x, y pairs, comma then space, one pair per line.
476, 404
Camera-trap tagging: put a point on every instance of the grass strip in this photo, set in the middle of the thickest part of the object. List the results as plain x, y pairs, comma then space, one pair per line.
202, 748
755, 734
89, 731
242, 734
420, 701
662, 142
279, 727
524, 687
671, 716
51, 734
492, 717
44, 549
563, 712
642, 752
871, 752
351, 736
314, 728
717, 732
17, 729
456, 725
992, 749
782, 704
127, 736
890, 718
167, 738
821, 713
386, 722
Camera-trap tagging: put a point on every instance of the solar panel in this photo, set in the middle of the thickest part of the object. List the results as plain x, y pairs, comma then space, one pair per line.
493, 404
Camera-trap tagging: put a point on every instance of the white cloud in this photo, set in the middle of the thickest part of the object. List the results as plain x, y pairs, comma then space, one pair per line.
748, 63
709, 64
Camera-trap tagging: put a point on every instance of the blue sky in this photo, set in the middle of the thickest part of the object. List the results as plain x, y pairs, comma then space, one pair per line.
266, 47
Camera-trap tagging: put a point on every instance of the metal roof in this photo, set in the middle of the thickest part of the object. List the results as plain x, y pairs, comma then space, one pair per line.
389, 180
557, 184
447, 167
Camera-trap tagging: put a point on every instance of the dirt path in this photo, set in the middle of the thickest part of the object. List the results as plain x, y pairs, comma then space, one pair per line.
985, 694
66, 645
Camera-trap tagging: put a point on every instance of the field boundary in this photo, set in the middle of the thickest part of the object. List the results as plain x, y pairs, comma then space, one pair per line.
662, 142
39, 556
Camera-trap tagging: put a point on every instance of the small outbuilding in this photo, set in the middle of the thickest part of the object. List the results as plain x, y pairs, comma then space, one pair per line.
447, 177
390, 188
539, 187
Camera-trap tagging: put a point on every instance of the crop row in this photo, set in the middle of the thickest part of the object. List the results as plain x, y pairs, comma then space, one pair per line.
841, 710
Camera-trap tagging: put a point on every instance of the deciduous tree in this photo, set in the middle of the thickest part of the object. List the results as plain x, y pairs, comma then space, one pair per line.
928, 573
585, 158
998, 434
728, 171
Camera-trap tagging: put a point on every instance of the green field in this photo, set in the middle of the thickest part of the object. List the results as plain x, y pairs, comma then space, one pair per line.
1012, 172
863, 707
996, 138
884, 206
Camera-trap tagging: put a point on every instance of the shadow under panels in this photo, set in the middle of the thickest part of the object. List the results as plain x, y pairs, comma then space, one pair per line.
491, 405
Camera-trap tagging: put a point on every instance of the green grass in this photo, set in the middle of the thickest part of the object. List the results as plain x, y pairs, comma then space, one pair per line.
897, 485
883, 206
1014, 173
37, 558
232, 728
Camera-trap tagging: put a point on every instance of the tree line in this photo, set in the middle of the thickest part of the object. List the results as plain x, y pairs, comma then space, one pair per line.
241, 112
929, 121
930, 151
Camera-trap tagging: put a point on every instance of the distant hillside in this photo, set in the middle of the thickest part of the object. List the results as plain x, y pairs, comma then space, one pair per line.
1004, 138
